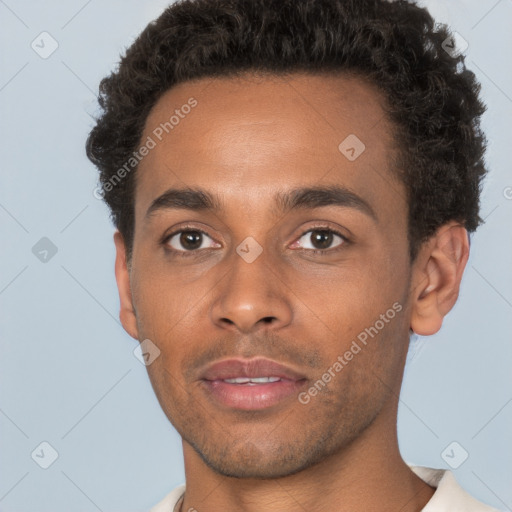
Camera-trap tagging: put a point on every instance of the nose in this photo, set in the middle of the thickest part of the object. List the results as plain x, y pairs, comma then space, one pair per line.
251, 297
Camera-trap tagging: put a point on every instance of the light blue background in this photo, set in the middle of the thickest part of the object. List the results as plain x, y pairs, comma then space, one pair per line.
68, 375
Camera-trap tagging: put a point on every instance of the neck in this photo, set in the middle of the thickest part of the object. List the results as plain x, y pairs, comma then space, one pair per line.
368, 474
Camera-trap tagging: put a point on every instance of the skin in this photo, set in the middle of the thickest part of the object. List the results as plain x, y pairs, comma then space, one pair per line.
247, 139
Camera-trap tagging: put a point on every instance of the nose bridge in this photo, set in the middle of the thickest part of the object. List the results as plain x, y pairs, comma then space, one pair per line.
250, 296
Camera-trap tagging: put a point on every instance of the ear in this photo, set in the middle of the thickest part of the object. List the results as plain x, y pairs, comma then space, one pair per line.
127, 311
436, 277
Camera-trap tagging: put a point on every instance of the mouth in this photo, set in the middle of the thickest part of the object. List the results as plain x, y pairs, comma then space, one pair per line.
255, 394
250, 384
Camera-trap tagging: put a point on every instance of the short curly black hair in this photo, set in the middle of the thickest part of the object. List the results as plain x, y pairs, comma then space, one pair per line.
433, 99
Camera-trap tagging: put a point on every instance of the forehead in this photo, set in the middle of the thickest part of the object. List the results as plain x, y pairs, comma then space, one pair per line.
250, 136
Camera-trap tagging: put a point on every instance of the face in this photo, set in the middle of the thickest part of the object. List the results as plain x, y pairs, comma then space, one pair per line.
259, 266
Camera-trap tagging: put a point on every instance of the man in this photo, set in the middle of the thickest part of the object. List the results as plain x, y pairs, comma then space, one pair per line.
293, 184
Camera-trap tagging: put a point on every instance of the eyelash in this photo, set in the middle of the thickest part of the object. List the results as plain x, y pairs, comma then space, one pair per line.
319, 252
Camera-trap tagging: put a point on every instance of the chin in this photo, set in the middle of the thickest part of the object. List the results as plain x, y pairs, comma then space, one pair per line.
256, 470
249, 461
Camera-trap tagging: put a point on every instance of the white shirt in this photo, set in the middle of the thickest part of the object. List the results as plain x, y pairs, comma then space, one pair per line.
449, 495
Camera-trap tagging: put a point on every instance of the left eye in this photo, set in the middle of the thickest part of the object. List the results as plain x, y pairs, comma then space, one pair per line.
320, 239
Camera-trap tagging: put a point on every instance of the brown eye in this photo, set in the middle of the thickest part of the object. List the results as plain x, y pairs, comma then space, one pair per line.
321, 239
189, 240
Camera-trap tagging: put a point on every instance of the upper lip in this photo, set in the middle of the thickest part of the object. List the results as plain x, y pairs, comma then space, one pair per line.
251, 368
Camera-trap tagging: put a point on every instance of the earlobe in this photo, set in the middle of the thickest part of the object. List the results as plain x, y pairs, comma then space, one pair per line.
127, 311
437, 274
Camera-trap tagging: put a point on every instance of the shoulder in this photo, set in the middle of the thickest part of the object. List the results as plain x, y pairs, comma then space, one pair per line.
449, 495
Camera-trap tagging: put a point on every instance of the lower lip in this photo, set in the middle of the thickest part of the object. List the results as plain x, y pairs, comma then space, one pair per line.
252, 397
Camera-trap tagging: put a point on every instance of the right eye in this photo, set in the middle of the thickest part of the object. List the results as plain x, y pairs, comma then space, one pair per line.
188, 241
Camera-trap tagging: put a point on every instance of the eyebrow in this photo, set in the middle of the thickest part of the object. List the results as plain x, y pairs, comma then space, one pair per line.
198, 199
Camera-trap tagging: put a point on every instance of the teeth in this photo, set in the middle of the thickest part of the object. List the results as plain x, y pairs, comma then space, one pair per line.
254, 380
238, 380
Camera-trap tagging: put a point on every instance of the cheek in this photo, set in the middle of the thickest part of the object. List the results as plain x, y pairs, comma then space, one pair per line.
348, 295
362, 313
160, 300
